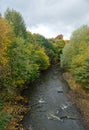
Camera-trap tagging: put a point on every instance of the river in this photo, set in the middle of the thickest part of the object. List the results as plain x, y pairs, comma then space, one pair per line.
49, 107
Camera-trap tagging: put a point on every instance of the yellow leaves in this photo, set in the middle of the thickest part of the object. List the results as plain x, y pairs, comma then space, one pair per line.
42, 59
6, 38
79, 59
80, 65
76, 55
19, 82
4, 60
4, 31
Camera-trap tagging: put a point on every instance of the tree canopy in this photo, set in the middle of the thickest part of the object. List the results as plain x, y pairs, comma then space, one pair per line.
76, 55
16, 21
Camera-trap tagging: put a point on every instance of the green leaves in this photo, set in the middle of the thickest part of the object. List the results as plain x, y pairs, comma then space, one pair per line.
23, 56
6, 38
16, 21
80, 68
21, 65
76, 56
4, 119
26, 61
26, 54
42, 59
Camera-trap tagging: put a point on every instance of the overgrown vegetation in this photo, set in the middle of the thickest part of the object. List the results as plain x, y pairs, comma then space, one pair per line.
23, 56
4, 116
75, 56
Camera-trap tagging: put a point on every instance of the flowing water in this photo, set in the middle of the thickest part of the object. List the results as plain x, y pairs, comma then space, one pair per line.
50, 107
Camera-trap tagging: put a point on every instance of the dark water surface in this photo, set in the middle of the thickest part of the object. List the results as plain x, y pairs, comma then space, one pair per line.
50, 107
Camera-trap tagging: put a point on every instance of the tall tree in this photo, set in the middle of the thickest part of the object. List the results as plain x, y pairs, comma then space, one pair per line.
15, 19
6, 39
76, 55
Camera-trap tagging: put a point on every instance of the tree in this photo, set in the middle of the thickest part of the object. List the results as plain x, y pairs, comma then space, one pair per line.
79, 40
80, 67
41, 59
66, 56
76, 55
59, 45
46, 44
16, 21
6, 39
22, 68
80, 34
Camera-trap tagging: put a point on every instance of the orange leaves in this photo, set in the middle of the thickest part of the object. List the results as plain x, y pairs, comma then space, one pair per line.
6, 37
4, 31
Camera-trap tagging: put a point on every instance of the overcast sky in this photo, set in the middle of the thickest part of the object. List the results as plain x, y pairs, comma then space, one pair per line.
50, 17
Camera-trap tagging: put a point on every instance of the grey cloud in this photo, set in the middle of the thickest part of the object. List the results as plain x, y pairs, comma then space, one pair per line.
63, 15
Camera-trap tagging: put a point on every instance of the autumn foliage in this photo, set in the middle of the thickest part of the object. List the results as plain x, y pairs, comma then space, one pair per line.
23, 56
75, 56
6, 39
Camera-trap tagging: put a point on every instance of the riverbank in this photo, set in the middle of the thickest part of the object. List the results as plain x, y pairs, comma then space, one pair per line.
17, 108
80, 97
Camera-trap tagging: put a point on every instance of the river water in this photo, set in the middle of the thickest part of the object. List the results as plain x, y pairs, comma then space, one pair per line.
50, 107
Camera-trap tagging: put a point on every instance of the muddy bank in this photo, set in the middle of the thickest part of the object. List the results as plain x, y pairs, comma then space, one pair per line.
17, 108
80, 97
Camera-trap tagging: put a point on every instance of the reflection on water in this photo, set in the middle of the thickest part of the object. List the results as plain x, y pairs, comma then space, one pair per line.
50, 108
41, 101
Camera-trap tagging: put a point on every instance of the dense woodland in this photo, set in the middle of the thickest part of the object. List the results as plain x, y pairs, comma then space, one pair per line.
23, 56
